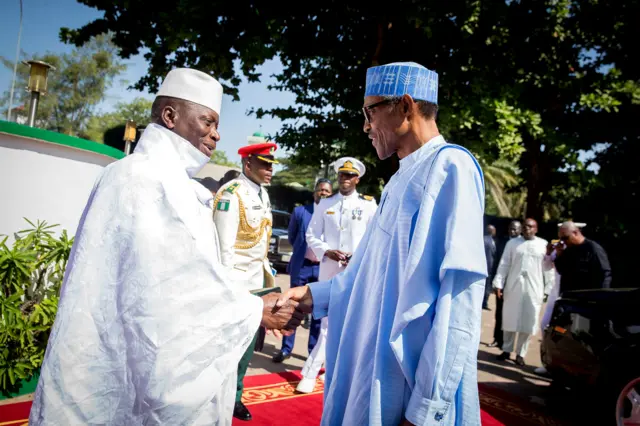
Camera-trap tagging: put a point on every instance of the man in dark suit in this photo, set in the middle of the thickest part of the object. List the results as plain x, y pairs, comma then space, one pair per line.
490, 252
303, 267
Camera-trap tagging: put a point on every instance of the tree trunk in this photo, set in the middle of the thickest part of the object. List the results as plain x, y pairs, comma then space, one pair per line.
534, 178
375, 60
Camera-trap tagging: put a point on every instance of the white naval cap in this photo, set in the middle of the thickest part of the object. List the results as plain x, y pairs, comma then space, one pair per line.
194, 86
349, 165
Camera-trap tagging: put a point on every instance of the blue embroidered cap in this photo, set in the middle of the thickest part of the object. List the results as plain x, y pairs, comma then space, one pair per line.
400, 78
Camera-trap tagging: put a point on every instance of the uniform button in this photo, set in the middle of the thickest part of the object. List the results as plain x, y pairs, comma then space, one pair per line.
439, 416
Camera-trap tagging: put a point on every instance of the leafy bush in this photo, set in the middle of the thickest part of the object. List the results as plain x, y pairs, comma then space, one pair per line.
31, 273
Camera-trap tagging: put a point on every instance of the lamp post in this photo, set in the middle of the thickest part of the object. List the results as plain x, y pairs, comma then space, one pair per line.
37, 85
129, 136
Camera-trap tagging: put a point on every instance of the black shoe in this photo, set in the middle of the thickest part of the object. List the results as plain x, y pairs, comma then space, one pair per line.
503, 356
486, 308
494, 344
520, 361
241, 412
280, 356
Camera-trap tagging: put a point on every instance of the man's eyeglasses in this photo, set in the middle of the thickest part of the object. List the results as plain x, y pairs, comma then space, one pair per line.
366, 110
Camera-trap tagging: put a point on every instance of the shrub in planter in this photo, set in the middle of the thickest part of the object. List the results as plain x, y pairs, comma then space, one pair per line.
31, 273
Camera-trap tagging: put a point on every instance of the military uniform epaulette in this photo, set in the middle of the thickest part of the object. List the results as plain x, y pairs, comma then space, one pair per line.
366, 197
232, 188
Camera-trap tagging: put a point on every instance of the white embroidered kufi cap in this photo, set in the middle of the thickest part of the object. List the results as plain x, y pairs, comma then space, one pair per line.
194, 86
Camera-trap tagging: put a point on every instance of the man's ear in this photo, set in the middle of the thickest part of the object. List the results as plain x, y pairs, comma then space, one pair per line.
407, 103
169, 116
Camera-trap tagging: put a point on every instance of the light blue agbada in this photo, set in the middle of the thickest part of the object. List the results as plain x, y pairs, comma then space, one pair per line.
404, 317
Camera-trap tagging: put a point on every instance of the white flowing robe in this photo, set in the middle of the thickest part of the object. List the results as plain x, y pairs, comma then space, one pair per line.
525, 278
147, 331
554, 294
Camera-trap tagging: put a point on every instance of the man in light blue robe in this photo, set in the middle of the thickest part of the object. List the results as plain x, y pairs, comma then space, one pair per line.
405, 315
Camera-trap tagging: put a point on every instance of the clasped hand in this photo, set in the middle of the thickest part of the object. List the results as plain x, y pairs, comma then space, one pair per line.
281, 314
283, 318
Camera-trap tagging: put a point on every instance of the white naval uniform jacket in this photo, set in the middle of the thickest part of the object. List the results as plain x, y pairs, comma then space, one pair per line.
338, 223
244, 224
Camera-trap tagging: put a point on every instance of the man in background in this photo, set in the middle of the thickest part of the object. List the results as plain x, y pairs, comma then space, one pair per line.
490, 253
583, 264
515, 229
337, 226
304, 266
228, 177
522, 281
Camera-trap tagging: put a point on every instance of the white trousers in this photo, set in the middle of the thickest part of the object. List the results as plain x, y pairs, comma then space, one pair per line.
509, 338
316, 359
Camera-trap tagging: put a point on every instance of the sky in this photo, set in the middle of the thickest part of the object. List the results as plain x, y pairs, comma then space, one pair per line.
42, 20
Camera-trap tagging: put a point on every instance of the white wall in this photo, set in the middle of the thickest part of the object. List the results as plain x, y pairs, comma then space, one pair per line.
46, 181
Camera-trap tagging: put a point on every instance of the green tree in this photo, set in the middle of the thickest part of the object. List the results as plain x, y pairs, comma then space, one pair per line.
529, 81
75, 88
138, 110
220, 158
501, 179
304, 175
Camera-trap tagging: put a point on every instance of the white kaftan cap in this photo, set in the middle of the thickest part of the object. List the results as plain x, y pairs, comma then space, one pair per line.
400, 78
577, 224
349, 165
194, 86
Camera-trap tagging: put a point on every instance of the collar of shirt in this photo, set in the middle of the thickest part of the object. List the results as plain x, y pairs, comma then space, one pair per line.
251, 184
422, 152
351, 196
158, 142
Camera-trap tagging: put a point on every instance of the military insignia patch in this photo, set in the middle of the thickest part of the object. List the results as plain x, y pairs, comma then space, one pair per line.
366, 197
330, 212
223, 205
232, 188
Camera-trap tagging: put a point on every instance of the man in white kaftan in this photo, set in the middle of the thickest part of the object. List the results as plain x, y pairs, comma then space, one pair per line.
405, 315
523, 278
148, 331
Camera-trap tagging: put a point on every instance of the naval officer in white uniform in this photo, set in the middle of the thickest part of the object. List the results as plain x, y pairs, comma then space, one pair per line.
337, 226
242, 214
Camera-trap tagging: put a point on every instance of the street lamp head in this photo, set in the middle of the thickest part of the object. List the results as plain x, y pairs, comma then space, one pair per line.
130, 131
38, 76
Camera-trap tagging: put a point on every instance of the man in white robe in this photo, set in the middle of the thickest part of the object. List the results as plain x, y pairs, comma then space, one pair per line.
523, 279
405, 315
148, 331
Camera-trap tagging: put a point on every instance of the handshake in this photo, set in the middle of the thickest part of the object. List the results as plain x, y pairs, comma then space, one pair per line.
283, 313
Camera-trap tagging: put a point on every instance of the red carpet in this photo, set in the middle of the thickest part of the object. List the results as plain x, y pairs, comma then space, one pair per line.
15, 414
272, 400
